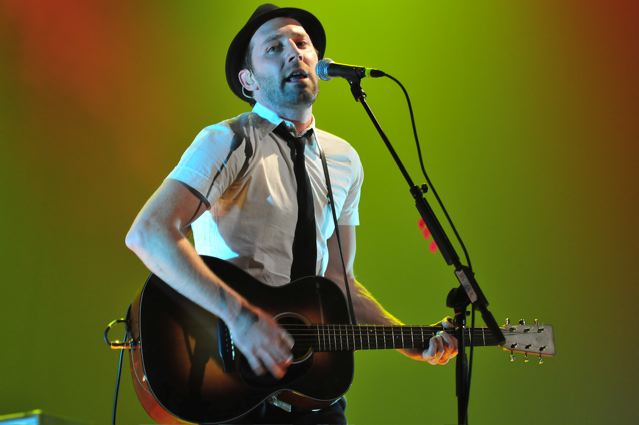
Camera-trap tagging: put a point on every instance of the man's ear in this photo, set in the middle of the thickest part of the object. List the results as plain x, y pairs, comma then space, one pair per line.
246, 79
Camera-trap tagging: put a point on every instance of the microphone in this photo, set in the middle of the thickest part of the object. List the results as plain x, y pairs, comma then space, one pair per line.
326, 69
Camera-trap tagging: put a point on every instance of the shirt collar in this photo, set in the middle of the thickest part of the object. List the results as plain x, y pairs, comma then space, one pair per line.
276, 120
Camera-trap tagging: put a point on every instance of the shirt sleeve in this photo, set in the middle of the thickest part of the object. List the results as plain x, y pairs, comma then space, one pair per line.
349, 215
212, 162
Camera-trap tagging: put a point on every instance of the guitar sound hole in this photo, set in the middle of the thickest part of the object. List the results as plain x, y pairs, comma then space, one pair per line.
302, 355
297, 326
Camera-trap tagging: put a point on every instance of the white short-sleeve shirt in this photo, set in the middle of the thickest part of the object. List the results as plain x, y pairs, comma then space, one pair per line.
244, 172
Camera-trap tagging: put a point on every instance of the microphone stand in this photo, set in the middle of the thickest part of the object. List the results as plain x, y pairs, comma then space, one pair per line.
458, 298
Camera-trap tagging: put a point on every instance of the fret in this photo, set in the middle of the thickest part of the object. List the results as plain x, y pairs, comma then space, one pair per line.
392, 338
422, 330
334, 338
375, 333
344, 329
401, 332
324, 339
412, 339
327, 341
319, 346
361, 341
345, 336
368, 336
352, 334
353, 330
483, 335
326, 346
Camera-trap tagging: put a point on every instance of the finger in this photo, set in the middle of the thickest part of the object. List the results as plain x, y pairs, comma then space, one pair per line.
441, 349
450, 342
288, 340
447, 323
280, 347
255, 364
278, 334
435, 350
280, 350
450, 348
274, 366
430, 351
453, 345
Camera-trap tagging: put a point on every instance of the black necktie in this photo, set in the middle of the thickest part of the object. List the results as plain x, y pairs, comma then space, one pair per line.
304, 242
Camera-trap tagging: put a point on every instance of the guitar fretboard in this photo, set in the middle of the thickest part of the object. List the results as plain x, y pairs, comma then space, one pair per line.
345, 337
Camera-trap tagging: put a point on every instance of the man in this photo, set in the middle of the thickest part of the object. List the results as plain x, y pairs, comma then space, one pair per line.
250, 194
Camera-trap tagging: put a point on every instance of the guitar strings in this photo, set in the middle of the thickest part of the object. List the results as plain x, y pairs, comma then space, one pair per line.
332, 335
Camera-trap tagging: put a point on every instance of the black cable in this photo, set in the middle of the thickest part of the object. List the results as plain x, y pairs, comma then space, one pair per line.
421, 163
452, 225
470, 358
117, 381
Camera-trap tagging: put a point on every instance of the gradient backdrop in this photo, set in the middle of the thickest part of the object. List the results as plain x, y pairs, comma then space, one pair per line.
528, 113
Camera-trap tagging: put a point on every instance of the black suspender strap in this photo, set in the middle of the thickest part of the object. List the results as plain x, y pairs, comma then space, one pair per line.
331, 201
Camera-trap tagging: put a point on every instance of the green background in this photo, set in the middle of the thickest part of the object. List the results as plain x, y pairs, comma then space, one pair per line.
528, 114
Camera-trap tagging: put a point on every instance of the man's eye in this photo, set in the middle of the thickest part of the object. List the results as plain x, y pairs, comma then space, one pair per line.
302, 43
273, 48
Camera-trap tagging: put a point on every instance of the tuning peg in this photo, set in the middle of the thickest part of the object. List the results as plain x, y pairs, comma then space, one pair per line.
507, 321
525, 357
541, 360
512, 357
537, 322
522, 322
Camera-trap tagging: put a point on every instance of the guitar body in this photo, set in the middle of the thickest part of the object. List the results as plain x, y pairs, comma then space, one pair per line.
184, 365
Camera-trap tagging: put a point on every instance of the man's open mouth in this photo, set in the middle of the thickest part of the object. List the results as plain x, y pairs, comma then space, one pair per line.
296, 76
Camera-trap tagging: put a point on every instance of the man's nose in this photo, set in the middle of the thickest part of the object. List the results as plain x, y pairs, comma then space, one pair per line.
294, 53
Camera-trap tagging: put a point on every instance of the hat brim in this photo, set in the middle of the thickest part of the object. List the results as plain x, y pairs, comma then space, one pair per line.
237, 49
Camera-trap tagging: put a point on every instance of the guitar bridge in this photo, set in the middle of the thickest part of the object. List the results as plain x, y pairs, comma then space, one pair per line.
225, 346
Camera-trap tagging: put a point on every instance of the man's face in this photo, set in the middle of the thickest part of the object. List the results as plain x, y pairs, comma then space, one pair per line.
283, 61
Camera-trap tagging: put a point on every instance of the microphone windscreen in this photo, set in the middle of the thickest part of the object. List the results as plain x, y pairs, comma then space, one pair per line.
321, 69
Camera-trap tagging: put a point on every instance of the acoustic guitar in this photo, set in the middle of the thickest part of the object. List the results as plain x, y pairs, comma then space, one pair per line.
186, 369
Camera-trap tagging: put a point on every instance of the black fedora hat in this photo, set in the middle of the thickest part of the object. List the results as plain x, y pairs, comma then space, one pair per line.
266, 12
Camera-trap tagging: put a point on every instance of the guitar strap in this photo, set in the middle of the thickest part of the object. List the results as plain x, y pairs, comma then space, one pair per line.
331, 201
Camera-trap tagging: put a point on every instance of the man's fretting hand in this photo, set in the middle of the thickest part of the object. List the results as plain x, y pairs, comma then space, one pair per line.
441, 347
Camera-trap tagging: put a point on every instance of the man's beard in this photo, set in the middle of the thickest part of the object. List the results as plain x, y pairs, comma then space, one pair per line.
287, 94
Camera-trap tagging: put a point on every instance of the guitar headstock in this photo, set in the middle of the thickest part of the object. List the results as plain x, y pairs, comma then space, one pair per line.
536, 339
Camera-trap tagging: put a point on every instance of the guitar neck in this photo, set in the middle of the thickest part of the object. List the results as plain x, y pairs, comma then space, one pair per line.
345, 337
